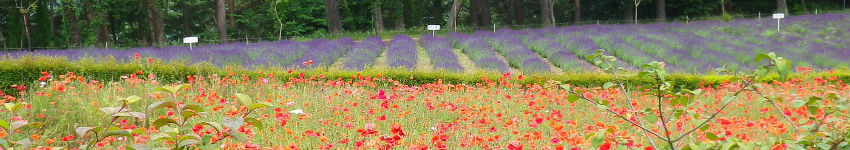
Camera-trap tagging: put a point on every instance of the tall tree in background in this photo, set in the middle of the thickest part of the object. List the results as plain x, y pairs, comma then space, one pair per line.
71, 22
660, 10
398, 13
547, 14
577, 11
220, 21
332, 14
436, 12
781, 7
24, 9
452, 23
156, 25
377, 17
637, 3
231, 11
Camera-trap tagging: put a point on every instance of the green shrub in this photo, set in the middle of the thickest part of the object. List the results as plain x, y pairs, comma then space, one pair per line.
26, 71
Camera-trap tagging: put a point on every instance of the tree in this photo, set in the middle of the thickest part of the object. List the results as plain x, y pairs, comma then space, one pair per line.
377, 17
637, 3
453, 15
332, 15
25, 9
220, 21
278, 19
577, 11
660, 10
547, 14
71, 22
781, 7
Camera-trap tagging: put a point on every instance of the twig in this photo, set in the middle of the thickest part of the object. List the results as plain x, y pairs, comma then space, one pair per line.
796, 129
620, 116
661, 115
713, 115
631, 106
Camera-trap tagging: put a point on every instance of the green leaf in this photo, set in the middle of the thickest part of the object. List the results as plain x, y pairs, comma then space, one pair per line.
608, 85
783, 67
188, 142
566, 87
139, 147
761, 72
14, 107
161, 136
159, 104
763, 56
797, 103
727, 99
4, 143
258, 105
232, 123
188, 114
193, 107
711, 136
131, 99
255, 122
113, 110
572, 98
26, 143
22, 123
704, 127
162, 122
244, 99
81, 131
729, 145
206, 139
651, 118
130, 114
4, 124
215, 125
123, 133
239, 136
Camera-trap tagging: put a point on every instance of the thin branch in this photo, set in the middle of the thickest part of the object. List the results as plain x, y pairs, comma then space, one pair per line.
713, 115
661, 114
631, 105
796, 129
620, 116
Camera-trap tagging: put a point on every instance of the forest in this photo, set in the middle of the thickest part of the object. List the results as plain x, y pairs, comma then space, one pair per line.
63, 24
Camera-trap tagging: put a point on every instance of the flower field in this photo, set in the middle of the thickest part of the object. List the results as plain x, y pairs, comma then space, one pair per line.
813, 41
731, 85
373, 112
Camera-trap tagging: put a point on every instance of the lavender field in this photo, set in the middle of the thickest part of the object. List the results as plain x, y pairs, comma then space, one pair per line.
815, 41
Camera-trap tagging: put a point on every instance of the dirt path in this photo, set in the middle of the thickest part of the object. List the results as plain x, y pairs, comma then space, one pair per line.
465, 62
424, 61
511, 69
552, 67
381, 61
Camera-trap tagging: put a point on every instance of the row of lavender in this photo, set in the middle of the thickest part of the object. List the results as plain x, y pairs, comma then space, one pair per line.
477, 48
441, 53
817, 41
289, 54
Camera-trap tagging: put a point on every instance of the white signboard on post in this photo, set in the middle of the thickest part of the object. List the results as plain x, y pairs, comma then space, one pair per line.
778, 17
190, 40
433, 29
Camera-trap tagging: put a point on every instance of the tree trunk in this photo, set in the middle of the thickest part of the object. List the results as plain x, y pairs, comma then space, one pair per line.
279, 22
546, 12
486, 21
220, 21
509, 12
781, 7
399, 18
436, 12
26, 24
71, 22
2, 38
377, 17
628, 15
52, 19
577, 11
103, 30
332, 14
452, 25
661, 10
231, 10
517, 5
474, 13
185, 17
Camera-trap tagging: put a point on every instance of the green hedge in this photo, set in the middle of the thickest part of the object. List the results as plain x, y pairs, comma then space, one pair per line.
26, 70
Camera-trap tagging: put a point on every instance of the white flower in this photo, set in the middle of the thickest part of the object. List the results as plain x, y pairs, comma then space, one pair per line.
297, 111
42, 84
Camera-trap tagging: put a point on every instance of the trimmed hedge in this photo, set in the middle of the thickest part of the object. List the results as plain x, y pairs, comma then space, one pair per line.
26, 70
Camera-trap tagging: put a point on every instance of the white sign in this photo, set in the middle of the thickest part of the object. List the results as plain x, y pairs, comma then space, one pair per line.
778, 16
190, 40
433, 27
